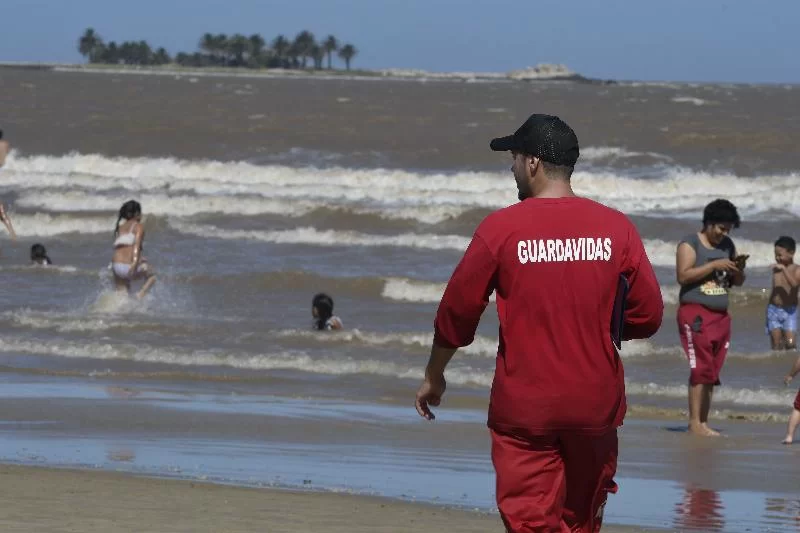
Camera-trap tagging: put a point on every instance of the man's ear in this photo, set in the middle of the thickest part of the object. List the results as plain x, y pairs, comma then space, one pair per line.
534, 164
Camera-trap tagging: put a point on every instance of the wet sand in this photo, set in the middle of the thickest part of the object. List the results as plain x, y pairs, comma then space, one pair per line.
349, 454
51, 500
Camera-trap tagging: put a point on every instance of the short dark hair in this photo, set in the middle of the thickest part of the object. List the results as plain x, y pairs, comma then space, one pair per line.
557, 172
721, 211
786, 242
1, 134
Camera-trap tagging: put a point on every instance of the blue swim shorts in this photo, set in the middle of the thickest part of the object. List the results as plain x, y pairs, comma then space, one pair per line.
783, 318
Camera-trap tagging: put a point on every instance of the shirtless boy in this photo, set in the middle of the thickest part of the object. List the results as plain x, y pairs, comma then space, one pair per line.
782, 307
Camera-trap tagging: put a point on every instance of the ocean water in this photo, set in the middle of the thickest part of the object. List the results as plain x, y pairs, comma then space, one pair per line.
244, 226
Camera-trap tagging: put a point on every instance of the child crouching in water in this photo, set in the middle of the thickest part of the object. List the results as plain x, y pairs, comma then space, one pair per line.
322, 311
794, 418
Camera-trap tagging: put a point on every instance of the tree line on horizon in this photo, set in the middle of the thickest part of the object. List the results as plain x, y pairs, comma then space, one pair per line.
221, 50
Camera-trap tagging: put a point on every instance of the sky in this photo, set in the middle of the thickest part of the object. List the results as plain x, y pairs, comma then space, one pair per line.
651, 40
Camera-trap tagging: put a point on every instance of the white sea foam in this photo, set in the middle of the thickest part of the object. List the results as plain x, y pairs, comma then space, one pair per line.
47, 225
163, 204
485, 347
406, 290
738, 396
459, 373
481, 346
600, 153
315, 237
64, 322
186, 205
50, 269
184, 188
279, 360
692, 100
661, 253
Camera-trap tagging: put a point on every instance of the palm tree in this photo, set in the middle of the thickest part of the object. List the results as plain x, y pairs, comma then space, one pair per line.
90, 44
111, 54
293, 53
201, 60
127, 53
222, 45
161, 57
330, 45
304, 41
238, 46
208, 44
347, 52
256, 49
280, 45
144, 54
317, 53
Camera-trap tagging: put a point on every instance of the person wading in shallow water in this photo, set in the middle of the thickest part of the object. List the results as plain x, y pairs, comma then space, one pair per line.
706, 268
128, 264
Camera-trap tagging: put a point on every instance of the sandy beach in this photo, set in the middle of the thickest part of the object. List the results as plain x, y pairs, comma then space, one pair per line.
52, 500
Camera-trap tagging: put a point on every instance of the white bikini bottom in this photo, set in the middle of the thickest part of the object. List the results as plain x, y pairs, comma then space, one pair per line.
123, 270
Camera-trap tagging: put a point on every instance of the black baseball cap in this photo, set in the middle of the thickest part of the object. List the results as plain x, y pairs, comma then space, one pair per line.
544, 136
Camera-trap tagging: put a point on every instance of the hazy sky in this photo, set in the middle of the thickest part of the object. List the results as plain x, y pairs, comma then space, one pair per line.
686, 40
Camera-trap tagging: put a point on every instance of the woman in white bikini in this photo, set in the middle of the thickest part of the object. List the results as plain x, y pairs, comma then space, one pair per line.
127, 263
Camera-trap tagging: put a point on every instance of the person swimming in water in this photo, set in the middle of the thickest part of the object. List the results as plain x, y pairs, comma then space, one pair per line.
322, 311
39, 255
128, 264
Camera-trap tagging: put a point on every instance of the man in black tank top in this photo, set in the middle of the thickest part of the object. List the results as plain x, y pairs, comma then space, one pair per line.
706, 267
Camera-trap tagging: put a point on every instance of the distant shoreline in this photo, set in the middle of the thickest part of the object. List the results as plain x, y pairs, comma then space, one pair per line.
531, 74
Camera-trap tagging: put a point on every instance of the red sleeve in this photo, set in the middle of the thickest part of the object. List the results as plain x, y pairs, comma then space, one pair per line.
644, 305
466, 296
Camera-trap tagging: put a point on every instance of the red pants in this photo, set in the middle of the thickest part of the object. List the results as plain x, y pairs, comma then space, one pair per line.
554, 484
797, 400
705, 336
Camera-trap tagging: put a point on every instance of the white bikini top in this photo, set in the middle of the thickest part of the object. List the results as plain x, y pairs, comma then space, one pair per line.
126, 239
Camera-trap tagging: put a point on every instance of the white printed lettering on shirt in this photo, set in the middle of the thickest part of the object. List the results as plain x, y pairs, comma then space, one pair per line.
560, 251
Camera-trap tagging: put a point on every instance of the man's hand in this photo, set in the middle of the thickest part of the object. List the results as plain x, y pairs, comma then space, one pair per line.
777, 267
430, 393
787, 379
725, 264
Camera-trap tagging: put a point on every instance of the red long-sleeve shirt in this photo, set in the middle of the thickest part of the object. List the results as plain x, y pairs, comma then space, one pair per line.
554, 264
